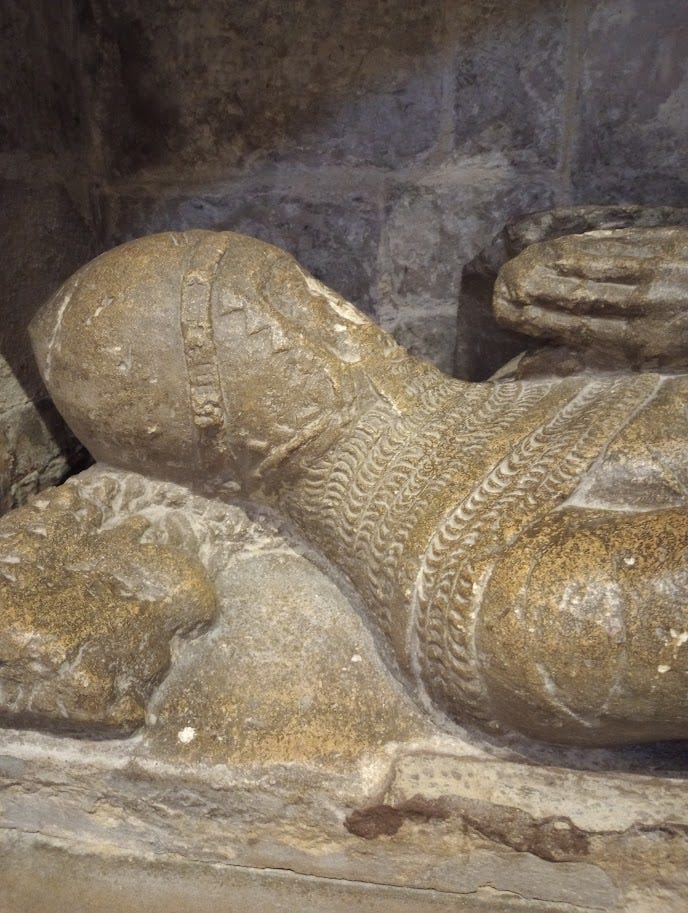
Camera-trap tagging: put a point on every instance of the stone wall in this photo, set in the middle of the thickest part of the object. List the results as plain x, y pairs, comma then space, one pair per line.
383, 143
44, 227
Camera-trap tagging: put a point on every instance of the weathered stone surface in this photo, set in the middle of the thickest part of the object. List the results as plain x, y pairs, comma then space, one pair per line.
575, 220
175, 107
329, 223
87, 616
37, 450
483, 346
446, 824
43, 238
557, 361
289, 675
154, 887
140, 98
288, 672
177, 118
418, 487
431, 228
622, 293
633, 127
212, 86
615, 576
394, 250
510, 78
272, 746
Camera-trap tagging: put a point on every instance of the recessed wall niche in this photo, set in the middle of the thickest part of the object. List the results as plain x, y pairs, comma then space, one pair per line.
383, 144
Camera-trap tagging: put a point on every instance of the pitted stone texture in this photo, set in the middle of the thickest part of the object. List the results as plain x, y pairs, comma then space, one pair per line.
391, 814
88, 615
290, 674
621, 293
614, 578
633, 129
287, 673
510, 78
483, 345
215, 85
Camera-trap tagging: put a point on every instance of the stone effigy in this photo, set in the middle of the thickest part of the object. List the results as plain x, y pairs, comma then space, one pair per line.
521, 546
276, 757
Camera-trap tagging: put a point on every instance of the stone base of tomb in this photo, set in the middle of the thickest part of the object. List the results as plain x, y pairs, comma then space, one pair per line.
282, 766
418, 826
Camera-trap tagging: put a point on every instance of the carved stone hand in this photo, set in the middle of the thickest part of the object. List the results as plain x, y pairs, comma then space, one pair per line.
622, 292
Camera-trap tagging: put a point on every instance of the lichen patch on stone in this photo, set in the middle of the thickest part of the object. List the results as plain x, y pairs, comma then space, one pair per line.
87, 615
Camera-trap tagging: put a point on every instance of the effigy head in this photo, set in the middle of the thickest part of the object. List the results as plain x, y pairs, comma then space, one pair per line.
156, 354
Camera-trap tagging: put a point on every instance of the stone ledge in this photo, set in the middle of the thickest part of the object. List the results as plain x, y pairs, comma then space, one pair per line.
117, 885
